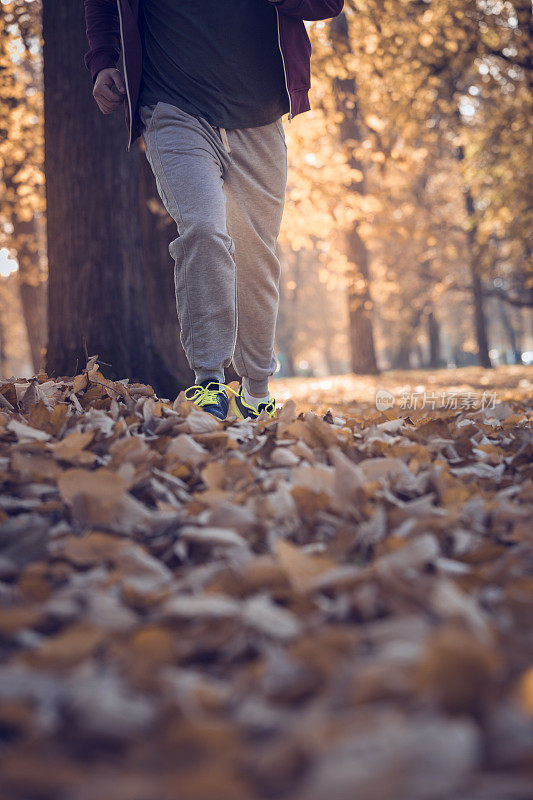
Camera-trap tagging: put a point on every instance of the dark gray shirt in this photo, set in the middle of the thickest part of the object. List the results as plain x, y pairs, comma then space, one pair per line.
219, 59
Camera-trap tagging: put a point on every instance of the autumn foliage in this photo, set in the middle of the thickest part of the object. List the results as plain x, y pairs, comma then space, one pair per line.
406, 238
331, 603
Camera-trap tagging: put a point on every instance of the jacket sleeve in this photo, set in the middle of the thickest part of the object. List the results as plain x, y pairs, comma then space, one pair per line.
103, 35
309, 9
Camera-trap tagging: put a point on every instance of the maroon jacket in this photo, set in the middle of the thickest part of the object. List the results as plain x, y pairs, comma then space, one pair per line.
112, 26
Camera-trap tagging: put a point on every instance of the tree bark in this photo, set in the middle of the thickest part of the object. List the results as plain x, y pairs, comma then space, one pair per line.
2, 343
288, 310
480, 322
401, 356
435, 357
510, 331
33, 301
32, 286
478, 299
27, 236
97, 292
360, 306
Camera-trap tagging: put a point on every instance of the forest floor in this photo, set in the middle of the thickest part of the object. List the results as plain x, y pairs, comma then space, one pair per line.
334, 604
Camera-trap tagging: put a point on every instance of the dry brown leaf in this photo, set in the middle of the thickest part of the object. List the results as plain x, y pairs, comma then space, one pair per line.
306, 598
66, 648
72, 448
300, 568
459, 671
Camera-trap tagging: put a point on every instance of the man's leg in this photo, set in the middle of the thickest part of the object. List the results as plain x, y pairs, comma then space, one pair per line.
187, 160
255, 183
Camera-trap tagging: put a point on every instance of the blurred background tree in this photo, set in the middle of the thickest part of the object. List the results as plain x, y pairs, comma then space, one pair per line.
22, 192
407, 233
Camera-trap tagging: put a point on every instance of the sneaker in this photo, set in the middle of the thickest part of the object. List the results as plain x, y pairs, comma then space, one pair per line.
211, 396
244, 410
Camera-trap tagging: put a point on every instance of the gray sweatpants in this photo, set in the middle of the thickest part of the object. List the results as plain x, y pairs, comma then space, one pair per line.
225, 189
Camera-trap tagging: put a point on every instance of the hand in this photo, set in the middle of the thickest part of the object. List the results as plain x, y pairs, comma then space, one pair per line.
109, 90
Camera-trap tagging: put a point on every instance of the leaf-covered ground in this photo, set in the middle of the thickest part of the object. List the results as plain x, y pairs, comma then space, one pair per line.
334, 604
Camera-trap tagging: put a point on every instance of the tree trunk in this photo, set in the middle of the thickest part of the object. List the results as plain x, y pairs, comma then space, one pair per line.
361, 336
33, 301
288, 309
435, 357
480, 323
28, 234
401, 357
2, 344
32, 286
510, 331
97, 294
479, 314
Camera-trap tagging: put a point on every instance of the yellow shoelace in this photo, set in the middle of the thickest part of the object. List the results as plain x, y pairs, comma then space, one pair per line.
270, 406
203, 395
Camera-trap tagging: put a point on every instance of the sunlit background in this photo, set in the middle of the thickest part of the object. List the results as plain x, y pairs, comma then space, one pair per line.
406, 240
